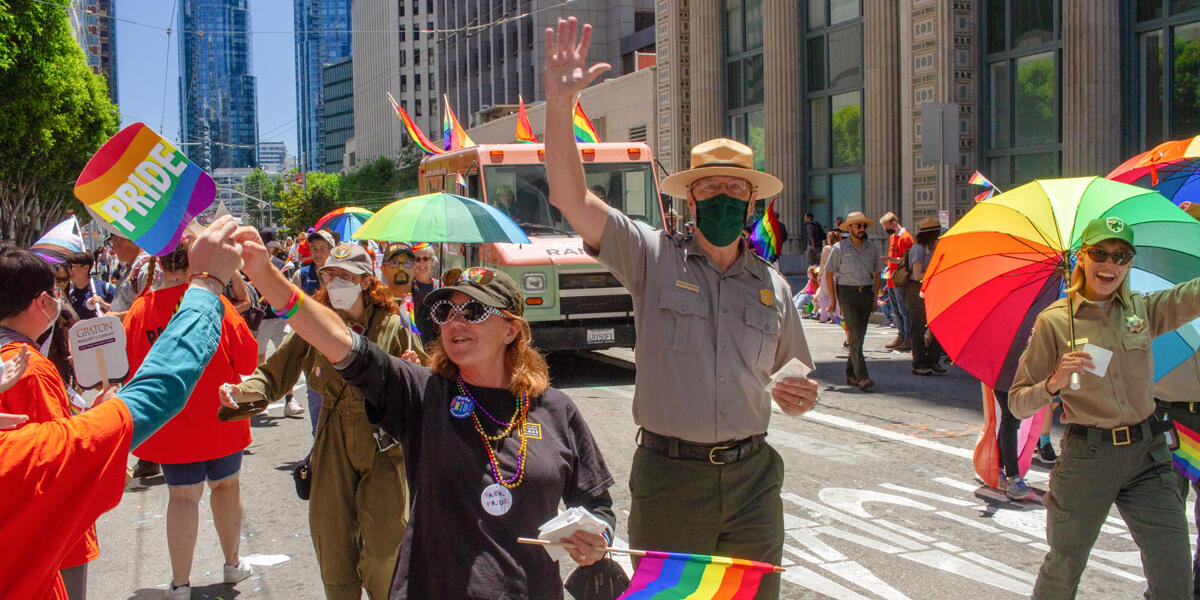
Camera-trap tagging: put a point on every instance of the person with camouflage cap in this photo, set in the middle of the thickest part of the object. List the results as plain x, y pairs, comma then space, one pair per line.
1114, 450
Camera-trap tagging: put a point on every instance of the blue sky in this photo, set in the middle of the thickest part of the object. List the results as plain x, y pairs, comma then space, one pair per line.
142, 54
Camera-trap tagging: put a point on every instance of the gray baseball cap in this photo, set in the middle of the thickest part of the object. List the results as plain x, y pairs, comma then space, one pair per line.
352, 258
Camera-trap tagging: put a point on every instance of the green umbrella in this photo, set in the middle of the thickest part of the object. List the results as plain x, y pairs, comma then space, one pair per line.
441, 217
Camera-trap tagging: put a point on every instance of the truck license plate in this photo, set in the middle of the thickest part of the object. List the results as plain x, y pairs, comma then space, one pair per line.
601, 336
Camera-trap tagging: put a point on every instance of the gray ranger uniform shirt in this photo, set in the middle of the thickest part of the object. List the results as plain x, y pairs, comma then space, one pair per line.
708, 341
851, 266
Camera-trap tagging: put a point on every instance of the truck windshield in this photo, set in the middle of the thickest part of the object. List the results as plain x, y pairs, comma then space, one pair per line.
521, 191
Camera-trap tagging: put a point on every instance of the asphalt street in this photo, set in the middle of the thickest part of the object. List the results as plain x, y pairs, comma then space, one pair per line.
880, 497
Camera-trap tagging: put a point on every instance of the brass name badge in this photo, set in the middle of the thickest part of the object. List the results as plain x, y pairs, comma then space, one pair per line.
533, 430
767, 297
691, 287
1079, 342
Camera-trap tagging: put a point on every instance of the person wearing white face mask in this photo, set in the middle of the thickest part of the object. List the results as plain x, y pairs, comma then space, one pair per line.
29, 307
358, 510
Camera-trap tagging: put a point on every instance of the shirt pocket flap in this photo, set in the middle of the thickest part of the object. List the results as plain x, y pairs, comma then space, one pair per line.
684, 303
763, 319
1136, 341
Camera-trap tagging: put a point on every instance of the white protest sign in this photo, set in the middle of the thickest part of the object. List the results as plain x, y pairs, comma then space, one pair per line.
98, 351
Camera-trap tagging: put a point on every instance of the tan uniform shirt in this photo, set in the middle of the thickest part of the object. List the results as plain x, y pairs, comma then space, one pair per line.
1124, 396
1182, 384
855, 266
707, 341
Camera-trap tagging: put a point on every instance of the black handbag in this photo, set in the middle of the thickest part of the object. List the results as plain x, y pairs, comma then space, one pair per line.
302, 474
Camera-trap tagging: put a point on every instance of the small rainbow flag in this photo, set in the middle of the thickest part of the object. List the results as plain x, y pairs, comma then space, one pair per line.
60, 242
584, 132
765, 237
141, 187
414, 132
979, 179
670, 575
1187, 456
452, 131
524, 129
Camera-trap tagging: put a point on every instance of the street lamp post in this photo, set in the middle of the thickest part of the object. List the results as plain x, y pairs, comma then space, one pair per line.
259, 201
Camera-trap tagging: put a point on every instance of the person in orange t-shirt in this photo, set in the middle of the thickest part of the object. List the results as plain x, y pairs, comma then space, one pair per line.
60, 475
28, 308
899, 242
195, 446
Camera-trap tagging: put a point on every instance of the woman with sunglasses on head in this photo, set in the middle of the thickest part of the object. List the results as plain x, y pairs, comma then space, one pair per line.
491, 449
1114, 450
425, 280
358, 509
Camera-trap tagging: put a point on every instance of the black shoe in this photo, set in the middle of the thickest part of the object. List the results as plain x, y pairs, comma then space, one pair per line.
852, 380
937, 367
922, 371
1046, 453
145, 468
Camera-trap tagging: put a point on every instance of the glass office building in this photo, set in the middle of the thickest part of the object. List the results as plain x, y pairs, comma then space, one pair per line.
322, 37
218, 117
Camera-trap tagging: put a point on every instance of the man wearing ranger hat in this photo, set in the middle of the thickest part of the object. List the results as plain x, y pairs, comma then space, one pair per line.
855, 263
713, 320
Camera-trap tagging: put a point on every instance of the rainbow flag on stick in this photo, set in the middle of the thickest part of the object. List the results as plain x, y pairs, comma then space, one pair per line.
980, 180
524, 130
672, 575
584, 132
452, 131
414, 132
1187, 456
766, 237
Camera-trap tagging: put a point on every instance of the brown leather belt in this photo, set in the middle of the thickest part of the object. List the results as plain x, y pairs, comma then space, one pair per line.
720, 453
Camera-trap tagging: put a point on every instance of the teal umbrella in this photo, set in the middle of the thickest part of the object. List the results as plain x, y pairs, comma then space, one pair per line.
441, 217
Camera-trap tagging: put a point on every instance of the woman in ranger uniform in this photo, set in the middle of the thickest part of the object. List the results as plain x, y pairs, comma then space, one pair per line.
359, 506
1113, 451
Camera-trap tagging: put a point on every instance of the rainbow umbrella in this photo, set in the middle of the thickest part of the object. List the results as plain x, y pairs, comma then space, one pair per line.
1007, 259
345, 221
441, 217
1161, 161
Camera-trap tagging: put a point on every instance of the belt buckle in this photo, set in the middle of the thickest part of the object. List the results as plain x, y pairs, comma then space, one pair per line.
1128, 436
1192, 407
711, 451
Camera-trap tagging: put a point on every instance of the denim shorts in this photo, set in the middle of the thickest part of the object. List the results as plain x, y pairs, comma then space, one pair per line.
213, 470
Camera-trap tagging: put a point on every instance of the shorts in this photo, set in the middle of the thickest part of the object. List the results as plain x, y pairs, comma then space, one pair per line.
271, 330
213, 470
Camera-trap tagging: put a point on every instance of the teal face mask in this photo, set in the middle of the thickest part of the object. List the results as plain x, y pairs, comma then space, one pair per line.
721, 219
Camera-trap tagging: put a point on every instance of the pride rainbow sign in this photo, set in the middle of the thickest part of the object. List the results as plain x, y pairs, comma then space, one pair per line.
144, 189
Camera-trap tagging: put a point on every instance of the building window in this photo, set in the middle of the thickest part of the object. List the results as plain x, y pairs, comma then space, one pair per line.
404, 83
833, 86
1167, 34
416, 6
403, 58
744, 75
416, 56
418, 107
1022, 83
417, 82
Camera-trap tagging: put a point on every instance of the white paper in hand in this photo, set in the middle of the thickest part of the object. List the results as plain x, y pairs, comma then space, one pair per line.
792, 368
565, 525
1100, 358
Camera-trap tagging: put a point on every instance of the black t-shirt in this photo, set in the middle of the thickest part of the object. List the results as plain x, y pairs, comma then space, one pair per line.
453, 548
79, 297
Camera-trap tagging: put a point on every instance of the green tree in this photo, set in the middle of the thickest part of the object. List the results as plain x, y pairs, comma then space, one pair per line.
383, 180
303, 204
54, 113
847, 136
259, 184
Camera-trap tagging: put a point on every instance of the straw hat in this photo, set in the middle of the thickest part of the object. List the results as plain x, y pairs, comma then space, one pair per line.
929, 224
855, 217
726, 157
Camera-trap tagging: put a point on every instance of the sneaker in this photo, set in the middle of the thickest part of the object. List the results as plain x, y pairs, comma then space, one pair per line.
1046, 453
238, 572
293, 408
1018, 489
145, 468
922, 371
183, 592
1001, 483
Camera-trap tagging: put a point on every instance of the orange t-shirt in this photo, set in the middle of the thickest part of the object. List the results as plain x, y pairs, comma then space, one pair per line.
194, 434
41, 395
898, 244
58, 477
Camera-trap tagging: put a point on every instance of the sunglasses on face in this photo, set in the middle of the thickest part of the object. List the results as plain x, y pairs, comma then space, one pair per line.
858, 226
396, 264
329, 276
476, 275
1118, 258
471, 311
422, 259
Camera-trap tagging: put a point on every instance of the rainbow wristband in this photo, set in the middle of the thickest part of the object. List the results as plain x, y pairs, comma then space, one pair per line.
292, 307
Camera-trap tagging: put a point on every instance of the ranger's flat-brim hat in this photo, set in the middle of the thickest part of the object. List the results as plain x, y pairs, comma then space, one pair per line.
855, 217
722, 157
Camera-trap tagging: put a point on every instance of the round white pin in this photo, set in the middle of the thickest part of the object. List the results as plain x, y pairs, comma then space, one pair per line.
496, 499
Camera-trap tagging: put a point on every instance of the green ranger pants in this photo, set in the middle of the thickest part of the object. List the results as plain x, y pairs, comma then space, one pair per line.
857, 302
358, 510
734, 510
1181, 413
1090, 476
